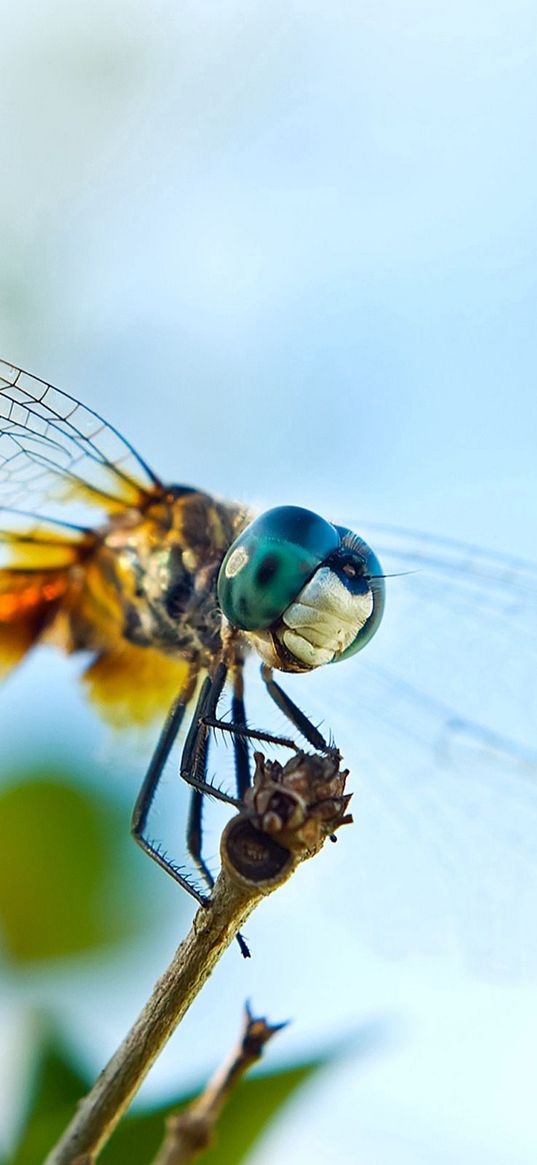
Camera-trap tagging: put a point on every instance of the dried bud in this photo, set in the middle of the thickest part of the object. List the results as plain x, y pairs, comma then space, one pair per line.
288, 813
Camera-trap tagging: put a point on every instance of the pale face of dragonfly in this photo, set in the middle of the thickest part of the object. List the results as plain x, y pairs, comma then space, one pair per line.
434, 719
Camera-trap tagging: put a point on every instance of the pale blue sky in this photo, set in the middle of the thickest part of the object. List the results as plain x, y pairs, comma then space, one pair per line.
291, 250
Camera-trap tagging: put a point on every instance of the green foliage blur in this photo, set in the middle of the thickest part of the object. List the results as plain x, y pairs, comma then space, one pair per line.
57, 1086
63, 890
69, 890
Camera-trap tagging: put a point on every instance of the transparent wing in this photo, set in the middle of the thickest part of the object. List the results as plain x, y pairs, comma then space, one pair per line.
437, 721
53, 450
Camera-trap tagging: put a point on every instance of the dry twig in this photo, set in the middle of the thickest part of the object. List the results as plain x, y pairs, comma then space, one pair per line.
191, 1132
287, 815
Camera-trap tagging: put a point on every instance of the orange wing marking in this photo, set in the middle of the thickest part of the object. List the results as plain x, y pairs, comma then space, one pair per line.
17, 604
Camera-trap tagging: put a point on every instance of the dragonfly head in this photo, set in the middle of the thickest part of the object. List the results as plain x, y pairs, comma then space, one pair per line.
304, 591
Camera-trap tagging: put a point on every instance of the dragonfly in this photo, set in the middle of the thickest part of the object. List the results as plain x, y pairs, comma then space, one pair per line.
164, 587
172, 594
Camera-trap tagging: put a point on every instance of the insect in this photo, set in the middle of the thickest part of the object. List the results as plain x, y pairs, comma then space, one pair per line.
438, 720
167, 586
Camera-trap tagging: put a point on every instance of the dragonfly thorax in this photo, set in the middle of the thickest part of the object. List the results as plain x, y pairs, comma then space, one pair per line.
162, 566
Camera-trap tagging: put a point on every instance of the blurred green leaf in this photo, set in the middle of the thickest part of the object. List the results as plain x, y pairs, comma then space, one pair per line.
64, 886
58, 1086
245, 1118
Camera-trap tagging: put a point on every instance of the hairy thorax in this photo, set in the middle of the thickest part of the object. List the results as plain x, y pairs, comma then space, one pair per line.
152, 577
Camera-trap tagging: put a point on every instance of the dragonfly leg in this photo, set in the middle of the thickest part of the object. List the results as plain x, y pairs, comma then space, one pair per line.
243, 774
149, 787
194, 839
194, 835
193, 768
195, 757
293, 713
240, 731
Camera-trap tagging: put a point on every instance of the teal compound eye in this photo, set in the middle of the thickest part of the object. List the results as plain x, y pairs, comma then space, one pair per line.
269, 563
308, 592
359, 569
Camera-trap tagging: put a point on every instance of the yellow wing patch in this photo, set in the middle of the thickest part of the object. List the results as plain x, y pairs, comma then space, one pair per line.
135, 685
39, 551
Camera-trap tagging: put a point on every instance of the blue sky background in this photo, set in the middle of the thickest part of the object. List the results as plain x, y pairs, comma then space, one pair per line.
291, 250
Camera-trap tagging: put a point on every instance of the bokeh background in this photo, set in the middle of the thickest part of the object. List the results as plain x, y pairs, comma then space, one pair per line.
289, 249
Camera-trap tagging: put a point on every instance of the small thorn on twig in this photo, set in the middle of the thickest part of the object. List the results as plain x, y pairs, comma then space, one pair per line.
191, 1132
